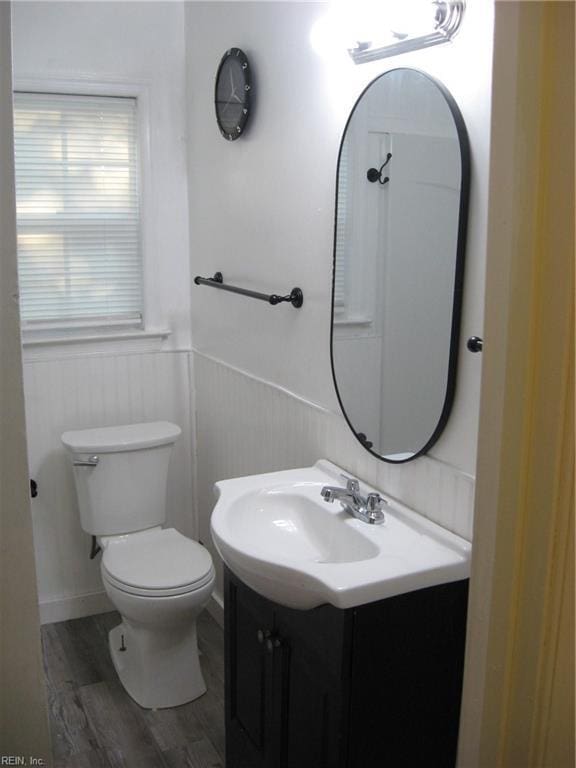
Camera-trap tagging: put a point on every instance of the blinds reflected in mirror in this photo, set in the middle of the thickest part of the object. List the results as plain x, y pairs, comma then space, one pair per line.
77, 188
342, 229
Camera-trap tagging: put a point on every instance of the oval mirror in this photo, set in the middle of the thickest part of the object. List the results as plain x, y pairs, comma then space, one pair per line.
400, 232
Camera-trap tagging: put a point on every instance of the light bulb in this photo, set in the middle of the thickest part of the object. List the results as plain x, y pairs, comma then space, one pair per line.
411, 18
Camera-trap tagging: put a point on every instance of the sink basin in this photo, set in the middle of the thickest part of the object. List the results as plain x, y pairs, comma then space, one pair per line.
278, 535
292, 525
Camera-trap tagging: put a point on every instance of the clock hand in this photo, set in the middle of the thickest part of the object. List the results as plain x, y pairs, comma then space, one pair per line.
232, 94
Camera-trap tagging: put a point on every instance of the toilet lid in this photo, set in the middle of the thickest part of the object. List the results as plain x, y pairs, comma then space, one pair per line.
162, 560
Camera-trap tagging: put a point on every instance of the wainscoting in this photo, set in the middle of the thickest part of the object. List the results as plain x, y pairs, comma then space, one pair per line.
85, 391
243, 425
246, 426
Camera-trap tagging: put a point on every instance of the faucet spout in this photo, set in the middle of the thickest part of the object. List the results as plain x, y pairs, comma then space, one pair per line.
330, 493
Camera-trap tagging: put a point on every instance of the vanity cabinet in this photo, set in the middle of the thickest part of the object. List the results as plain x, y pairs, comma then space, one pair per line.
377, 686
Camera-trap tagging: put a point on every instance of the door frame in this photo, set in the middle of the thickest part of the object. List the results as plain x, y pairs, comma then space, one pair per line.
518, 698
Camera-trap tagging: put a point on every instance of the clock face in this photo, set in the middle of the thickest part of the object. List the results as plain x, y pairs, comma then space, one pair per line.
233, 94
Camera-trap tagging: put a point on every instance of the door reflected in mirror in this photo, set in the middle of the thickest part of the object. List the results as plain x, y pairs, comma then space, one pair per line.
401, 210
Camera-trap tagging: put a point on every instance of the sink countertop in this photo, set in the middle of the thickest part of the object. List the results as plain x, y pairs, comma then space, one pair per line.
284, 541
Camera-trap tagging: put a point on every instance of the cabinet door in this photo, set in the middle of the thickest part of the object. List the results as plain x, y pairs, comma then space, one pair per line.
407, 679
250, 732
310, 664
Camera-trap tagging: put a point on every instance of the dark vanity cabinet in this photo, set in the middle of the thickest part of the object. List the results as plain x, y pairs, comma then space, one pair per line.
376, 686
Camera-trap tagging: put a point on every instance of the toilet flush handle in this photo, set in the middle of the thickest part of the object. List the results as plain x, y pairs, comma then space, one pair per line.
91, 461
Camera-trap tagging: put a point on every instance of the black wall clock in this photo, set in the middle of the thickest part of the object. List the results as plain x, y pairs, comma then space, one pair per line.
233, 94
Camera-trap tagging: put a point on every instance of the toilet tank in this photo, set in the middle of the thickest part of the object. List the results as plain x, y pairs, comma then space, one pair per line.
121, 475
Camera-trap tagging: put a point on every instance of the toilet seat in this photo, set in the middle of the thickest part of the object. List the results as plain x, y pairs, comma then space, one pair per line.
141, 592
160, 562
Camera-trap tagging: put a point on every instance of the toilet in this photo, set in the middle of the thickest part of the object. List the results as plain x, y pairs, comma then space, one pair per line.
158, 579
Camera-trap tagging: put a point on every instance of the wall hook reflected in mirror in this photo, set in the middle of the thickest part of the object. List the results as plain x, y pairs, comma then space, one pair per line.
372, 174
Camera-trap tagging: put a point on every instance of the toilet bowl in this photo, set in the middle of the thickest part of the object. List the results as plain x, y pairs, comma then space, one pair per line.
158, 579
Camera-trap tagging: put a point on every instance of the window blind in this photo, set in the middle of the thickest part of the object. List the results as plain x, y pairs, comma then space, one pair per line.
342, 229
77, 192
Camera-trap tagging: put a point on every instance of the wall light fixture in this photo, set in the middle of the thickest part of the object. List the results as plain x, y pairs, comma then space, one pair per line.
390, 27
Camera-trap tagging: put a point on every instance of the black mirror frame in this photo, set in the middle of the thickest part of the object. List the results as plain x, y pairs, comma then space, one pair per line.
465, 171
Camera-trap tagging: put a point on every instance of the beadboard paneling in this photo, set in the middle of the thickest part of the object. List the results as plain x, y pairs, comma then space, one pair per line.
247, 426
87, 391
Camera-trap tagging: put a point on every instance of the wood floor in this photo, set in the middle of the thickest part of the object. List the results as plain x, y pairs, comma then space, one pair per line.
95, 724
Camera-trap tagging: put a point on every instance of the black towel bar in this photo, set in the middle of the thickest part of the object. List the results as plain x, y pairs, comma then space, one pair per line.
296, 297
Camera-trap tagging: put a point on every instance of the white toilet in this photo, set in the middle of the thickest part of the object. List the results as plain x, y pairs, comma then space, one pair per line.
158, 579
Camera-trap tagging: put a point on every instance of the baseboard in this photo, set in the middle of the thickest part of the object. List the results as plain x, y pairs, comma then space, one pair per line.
74, 607
216, 608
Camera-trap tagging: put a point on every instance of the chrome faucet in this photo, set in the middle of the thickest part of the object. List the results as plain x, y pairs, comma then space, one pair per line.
369, 509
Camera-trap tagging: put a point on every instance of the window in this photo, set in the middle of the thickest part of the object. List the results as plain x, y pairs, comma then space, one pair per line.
77, 192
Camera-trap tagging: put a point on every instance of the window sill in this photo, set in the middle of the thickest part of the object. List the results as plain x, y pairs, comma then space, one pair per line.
44, 347
353, 321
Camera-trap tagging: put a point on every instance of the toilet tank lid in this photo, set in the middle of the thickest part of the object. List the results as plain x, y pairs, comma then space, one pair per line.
128, 437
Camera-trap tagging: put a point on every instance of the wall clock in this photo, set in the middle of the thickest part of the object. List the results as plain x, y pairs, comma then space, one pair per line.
233, 94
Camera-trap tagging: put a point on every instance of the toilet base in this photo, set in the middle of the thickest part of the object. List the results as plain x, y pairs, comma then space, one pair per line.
157, 668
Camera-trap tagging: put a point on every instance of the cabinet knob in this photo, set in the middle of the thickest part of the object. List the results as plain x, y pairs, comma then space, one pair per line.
263, 634
272, 643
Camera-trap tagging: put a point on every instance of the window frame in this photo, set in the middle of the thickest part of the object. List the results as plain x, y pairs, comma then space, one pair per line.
140, 91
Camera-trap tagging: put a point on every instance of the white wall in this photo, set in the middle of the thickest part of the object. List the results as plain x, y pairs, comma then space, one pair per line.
96, 384
261, 211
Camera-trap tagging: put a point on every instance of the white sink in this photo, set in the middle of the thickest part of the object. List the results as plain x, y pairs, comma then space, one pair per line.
278, 535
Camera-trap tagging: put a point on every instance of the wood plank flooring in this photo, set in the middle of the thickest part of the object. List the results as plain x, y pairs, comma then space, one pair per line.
95, 724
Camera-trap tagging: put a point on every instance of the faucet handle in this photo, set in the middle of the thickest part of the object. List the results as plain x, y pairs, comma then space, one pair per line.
375, 502
352, 484
375, 508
